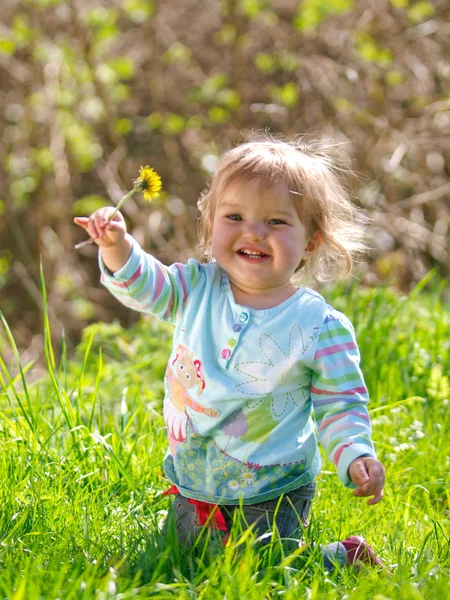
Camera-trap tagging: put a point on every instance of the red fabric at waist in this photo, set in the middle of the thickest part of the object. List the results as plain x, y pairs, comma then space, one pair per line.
204, 511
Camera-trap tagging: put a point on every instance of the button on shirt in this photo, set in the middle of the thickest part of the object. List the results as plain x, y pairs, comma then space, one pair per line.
241, 383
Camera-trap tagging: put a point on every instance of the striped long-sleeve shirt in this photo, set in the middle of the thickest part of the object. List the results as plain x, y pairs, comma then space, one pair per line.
248, 392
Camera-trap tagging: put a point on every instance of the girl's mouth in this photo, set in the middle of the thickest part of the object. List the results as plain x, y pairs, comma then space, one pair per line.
252, 255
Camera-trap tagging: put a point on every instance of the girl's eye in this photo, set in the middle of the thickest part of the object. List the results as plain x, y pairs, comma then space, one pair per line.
234, 217
187, 376
181, 367
277, 222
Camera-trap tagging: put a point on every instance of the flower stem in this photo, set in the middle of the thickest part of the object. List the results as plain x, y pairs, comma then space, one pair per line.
122, 202
113, 214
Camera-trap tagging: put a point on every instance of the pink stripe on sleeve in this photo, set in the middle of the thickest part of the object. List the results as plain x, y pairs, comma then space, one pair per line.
179, 266
169, 307
160, 281
127, 283
339, 451
357, 390
347, 413
335, 349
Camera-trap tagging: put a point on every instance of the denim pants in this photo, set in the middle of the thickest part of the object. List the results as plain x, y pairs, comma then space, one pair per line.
289, 514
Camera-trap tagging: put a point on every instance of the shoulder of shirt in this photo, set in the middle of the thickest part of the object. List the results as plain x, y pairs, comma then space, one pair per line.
316, 301
211, 269
209, 273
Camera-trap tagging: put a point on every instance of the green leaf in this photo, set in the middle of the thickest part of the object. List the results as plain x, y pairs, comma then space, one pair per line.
229, 98
103, 36
343, 105
213, 84
5, 263
209, 90
265, 62
101, 17
21, 30
106, 74
43, 157
195, 122
124, 126
23, 186
394, 78
287, 94
173, 124
120, 92
227, 35
420, 12
7, 47
139, 10
178, 52
80, 139
88, 204
102, 22
123, 67
252, 8
155, 120
367, 48
43, 4
288, 62
217, 114
311, 13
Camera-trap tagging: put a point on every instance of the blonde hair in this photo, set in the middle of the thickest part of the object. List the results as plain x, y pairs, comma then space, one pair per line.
315, 175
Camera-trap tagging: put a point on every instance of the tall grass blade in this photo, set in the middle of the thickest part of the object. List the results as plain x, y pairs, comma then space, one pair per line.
80, 378
64, 358
22, 376
97, 383
61, 395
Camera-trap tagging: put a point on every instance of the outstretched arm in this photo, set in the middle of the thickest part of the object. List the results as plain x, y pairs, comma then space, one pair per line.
133, 276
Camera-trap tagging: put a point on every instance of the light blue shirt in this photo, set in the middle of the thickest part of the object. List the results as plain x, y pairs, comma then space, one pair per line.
243, 387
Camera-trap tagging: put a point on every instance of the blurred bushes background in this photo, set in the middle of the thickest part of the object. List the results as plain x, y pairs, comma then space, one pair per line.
89, 91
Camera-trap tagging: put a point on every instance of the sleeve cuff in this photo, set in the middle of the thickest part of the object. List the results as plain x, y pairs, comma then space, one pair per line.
128, 269
348, 455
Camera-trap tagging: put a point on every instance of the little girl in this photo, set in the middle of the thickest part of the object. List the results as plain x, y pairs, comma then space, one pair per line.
253, 355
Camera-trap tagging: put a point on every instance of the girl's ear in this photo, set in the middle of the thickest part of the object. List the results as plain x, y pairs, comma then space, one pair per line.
313, 244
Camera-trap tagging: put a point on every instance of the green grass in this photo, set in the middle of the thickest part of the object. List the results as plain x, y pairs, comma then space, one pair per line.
81, 483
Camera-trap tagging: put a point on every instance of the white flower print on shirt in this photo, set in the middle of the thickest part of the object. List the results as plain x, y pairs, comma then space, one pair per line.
233, 485
248, 478
278, 377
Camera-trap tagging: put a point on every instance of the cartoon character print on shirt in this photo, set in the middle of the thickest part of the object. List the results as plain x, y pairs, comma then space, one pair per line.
184, 374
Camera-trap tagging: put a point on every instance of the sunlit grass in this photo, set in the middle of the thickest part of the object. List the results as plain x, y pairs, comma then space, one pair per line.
81, 484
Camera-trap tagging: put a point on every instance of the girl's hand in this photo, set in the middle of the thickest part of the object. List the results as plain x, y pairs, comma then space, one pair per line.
369, 475
105, 233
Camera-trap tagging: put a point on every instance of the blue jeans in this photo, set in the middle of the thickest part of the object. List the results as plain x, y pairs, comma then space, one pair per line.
289, 514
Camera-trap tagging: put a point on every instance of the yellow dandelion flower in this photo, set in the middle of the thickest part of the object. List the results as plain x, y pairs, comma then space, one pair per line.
148, 183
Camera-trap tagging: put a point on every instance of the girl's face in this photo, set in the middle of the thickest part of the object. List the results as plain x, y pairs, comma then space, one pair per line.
259, 239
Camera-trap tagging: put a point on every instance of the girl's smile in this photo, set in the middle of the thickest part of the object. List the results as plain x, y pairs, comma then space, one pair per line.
259, 240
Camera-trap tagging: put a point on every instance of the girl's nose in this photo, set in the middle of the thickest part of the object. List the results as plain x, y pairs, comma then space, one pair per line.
255, 231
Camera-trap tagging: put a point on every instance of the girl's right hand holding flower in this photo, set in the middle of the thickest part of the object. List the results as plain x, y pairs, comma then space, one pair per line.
110, 236
105, 233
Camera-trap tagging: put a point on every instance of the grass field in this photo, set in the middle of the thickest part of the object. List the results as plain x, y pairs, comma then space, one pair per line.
81, 478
